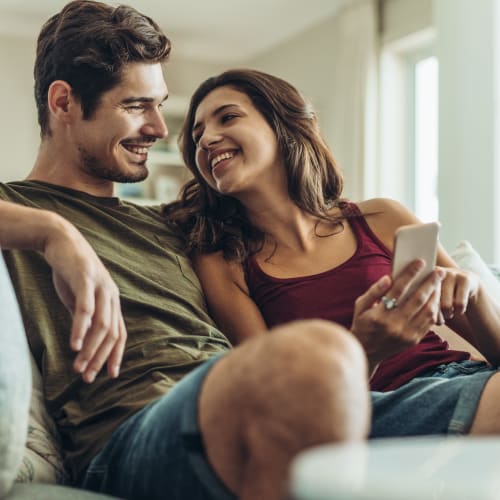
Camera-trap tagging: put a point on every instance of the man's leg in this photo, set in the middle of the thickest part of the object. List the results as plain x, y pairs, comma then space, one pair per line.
303, 384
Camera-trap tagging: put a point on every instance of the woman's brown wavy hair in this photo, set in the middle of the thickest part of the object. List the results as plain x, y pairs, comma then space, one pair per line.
211, 221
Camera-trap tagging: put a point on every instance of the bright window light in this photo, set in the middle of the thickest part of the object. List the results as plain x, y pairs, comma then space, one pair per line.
426, 139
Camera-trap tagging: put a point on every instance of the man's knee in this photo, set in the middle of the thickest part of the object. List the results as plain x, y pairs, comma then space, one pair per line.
319, 340
300, 373
303, 384
321, 371
294, 368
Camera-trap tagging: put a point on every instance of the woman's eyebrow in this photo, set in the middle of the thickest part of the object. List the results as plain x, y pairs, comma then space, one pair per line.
217, 111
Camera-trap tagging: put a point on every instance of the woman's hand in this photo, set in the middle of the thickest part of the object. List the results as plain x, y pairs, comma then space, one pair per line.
384, 330
458, 288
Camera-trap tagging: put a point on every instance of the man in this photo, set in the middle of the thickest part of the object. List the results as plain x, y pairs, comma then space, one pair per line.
182, 417
81, 281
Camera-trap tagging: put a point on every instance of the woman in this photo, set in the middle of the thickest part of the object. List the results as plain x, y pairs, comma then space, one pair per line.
272, 240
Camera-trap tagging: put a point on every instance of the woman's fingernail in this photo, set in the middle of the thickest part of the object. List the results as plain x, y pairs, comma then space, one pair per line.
383, 282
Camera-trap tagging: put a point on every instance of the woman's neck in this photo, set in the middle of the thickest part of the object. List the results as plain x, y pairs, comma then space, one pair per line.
284, 223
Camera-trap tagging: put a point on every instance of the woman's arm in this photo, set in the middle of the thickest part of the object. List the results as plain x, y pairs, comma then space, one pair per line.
466, 306
229, 302
469, 310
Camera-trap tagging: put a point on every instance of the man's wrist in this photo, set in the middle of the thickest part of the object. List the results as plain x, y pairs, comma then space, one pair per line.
56, 228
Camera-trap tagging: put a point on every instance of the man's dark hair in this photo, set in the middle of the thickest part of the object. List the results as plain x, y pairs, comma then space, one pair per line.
87, 44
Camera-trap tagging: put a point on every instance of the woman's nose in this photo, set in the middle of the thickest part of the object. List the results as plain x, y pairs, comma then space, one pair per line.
209, 137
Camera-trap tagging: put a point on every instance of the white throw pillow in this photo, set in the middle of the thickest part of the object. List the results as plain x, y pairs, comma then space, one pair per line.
15, 383
468, 258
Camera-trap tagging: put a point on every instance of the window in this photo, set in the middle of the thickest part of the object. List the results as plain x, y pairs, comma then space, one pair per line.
408, 143
425, 139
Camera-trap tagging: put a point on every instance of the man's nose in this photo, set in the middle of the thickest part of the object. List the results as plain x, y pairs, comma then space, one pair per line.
155, 125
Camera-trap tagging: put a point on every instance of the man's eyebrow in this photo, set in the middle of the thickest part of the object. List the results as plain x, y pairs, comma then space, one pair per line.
217, 111
130, 100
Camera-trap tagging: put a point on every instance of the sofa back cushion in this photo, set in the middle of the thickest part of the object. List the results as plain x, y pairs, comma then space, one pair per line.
42, 460
15, 383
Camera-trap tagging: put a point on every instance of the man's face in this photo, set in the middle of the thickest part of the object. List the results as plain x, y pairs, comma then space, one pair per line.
114, 143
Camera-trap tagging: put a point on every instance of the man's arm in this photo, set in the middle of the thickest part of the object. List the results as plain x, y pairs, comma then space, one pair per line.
83, 284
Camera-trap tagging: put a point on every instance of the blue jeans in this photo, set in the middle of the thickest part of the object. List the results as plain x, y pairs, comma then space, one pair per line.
158, 452
443, 400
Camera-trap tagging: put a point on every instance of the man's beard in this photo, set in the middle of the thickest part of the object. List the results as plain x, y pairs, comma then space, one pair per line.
94, 167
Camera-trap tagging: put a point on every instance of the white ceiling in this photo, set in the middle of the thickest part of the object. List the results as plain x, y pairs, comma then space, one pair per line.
210, 30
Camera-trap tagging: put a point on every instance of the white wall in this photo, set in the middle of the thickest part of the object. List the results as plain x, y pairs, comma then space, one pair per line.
468, 49
469, 63
19, 137
403, 17
304, 61
183, 75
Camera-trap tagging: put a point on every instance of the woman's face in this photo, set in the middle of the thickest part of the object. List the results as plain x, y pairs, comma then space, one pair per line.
236, 149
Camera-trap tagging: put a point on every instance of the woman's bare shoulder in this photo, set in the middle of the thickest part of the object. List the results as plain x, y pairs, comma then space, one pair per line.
385, 216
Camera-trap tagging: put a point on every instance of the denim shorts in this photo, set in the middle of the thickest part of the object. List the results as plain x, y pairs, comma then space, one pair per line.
158, 452
443, 400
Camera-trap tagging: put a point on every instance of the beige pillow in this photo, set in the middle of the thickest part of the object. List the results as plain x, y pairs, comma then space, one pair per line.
468, 258
42, 461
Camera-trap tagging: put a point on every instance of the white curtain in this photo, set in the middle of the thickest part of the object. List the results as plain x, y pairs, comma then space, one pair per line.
352, 111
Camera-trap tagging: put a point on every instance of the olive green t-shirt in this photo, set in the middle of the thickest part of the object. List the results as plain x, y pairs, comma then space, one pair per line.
169, 329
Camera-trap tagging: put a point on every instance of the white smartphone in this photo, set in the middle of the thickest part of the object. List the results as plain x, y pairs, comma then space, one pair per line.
416, 241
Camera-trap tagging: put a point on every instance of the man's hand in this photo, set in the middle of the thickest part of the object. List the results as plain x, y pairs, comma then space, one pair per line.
85, 287
384, 331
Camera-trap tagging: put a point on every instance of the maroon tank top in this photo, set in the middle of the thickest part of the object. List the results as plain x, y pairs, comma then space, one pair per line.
331, 294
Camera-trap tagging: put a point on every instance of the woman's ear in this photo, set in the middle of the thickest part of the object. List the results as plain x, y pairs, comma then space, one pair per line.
62, 104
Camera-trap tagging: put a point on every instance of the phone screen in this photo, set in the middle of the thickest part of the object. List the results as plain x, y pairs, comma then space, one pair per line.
417, 241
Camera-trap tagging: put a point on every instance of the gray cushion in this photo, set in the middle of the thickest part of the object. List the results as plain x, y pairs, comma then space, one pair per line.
15, 383
51, 492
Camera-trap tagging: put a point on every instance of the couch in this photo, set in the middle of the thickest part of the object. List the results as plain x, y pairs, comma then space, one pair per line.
30, 456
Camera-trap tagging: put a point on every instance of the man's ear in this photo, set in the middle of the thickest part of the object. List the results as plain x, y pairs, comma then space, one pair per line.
61, 101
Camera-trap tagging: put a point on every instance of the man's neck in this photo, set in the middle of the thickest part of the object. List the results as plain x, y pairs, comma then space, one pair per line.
49, 167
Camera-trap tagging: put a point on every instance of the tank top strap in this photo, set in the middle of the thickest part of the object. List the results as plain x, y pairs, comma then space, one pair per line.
360, 227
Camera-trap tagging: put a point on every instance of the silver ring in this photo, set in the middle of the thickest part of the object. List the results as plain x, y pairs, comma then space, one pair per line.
389, 303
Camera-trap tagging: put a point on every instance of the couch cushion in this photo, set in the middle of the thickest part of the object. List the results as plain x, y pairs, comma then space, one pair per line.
15, 383
42, 461
52, 492
468, 258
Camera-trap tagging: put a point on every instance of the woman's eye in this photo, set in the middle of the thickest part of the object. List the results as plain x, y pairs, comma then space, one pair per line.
227, 118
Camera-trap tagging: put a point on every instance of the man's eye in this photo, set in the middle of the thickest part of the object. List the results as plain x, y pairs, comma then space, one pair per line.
135, 108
